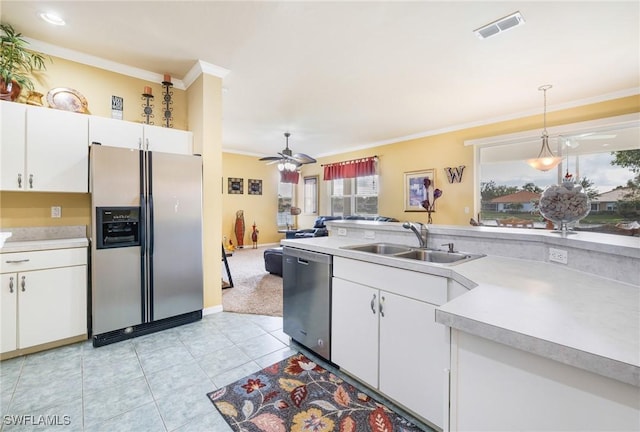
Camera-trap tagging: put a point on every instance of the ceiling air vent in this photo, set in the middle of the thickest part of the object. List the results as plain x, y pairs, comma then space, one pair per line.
500, 25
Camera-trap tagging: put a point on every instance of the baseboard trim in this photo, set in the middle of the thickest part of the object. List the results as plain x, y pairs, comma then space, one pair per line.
212, 310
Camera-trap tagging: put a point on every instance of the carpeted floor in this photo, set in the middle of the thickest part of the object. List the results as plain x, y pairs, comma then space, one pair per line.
255, 291
297, 394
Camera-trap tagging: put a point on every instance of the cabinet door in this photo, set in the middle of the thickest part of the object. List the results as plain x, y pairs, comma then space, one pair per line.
57, 151
52, 305
12, 142
115, 133
413, 355
8, 309
354, 329
168, 140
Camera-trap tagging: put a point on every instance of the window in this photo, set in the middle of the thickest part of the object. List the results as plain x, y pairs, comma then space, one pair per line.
604, 159
285, 202
356, 196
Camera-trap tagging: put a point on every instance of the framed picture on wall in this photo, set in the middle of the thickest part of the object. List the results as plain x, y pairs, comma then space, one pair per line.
311, 195
254, 187
236, 185
414, 190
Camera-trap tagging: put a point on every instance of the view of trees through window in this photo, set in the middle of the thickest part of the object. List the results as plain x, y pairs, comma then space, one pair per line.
358, 196
611, 180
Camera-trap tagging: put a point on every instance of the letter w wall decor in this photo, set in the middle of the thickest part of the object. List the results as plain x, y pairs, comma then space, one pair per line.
454, 175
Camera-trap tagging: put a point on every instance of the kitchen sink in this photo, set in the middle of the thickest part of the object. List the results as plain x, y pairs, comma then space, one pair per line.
428, 255
380, 248
437, 256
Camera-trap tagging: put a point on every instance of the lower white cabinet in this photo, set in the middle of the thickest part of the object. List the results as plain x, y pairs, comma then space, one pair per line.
43, 297
384, 333
495, 387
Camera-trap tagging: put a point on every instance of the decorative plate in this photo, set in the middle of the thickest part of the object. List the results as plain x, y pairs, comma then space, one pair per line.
67, 99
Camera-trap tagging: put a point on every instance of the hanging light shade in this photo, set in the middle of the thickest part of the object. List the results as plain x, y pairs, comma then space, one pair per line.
546, 160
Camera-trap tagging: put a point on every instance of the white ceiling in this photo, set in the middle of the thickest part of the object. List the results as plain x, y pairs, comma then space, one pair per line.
346, 75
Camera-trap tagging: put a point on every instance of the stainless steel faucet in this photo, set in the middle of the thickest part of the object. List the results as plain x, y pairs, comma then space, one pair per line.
422, 234
450, 245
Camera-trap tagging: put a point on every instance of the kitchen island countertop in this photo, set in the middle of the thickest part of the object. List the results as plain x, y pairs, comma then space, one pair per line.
569, 316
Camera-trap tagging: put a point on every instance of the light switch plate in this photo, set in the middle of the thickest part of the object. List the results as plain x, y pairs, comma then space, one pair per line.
56, 211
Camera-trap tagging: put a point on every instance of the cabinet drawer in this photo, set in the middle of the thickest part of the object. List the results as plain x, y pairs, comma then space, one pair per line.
420, 286
36, 260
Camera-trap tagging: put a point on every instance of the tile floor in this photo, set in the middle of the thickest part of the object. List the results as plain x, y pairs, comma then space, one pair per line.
156, 382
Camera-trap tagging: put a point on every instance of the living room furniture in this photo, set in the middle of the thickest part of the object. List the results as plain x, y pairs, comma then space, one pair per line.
229, 282
320, 230
273, 261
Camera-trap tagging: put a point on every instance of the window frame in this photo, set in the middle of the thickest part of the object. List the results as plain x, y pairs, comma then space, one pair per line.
599, 125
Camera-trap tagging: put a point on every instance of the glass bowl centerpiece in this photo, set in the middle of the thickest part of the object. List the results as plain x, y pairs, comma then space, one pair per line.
564, 204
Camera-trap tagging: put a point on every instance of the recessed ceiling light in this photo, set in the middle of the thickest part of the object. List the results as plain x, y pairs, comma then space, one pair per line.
501, 25
52, 18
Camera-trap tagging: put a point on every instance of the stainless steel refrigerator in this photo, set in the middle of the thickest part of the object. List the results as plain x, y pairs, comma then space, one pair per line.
146, 249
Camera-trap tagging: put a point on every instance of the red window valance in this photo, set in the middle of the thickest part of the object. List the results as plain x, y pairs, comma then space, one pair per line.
351, 169
289, 176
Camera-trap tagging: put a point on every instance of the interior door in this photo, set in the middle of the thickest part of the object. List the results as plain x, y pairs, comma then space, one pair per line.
176, 243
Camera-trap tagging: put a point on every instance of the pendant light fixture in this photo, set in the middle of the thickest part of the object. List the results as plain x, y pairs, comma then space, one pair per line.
545, 160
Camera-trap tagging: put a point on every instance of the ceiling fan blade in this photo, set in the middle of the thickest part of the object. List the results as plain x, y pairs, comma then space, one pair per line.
270, 158
304, 158
275, 161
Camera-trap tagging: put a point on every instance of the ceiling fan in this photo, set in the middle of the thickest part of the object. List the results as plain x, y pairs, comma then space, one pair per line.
287, 160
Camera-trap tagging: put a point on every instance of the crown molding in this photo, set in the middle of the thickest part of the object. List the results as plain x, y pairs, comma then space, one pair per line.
200, 67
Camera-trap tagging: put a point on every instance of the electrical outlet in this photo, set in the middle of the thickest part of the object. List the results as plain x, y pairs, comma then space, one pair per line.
56, 211
558, 255
342, 231
370, 235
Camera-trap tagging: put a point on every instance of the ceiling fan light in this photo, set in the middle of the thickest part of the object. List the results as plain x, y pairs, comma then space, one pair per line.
280, 166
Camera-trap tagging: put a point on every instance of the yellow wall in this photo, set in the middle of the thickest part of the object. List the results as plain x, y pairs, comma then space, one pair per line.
98, 85
29, 209
205, 117
261, 209
448, 150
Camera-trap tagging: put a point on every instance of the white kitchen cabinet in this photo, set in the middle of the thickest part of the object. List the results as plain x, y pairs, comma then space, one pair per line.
44, 297
495, 387
120, 133
13, 117
384, 333
354, 329
43, 149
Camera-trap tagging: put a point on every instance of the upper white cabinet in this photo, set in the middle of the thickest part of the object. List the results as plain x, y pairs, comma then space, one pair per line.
119, 133
43, 149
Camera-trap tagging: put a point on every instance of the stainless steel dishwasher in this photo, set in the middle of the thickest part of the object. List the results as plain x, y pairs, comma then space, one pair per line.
307, 299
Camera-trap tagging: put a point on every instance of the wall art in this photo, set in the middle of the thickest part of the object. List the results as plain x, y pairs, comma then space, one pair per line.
236, 185
414, 190
254, 187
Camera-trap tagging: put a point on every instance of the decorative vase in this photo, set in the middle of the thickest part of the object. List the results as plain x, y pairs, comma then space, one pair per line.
564, 204
9, 92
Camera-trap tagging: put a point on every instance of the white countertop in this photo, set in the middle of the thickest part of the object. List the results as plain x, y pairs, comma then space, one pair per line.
36, 245
43, 238
569, 316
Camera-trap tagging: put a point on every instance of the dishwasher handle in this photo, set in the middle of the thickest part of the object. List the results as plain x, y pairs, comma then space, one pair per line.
303, 261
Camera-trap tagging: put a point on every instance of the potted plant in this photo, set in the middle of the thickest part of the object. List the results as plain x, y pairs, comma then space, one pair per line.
16, 63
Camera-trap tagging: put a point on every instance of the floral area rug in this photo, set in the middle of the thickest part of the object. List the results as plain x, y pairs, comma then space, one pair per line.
298, 395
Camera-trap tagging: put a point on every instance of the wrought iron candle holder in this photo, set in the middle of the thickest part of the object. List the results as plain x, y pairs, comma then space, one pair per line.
147, 106
168, 103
